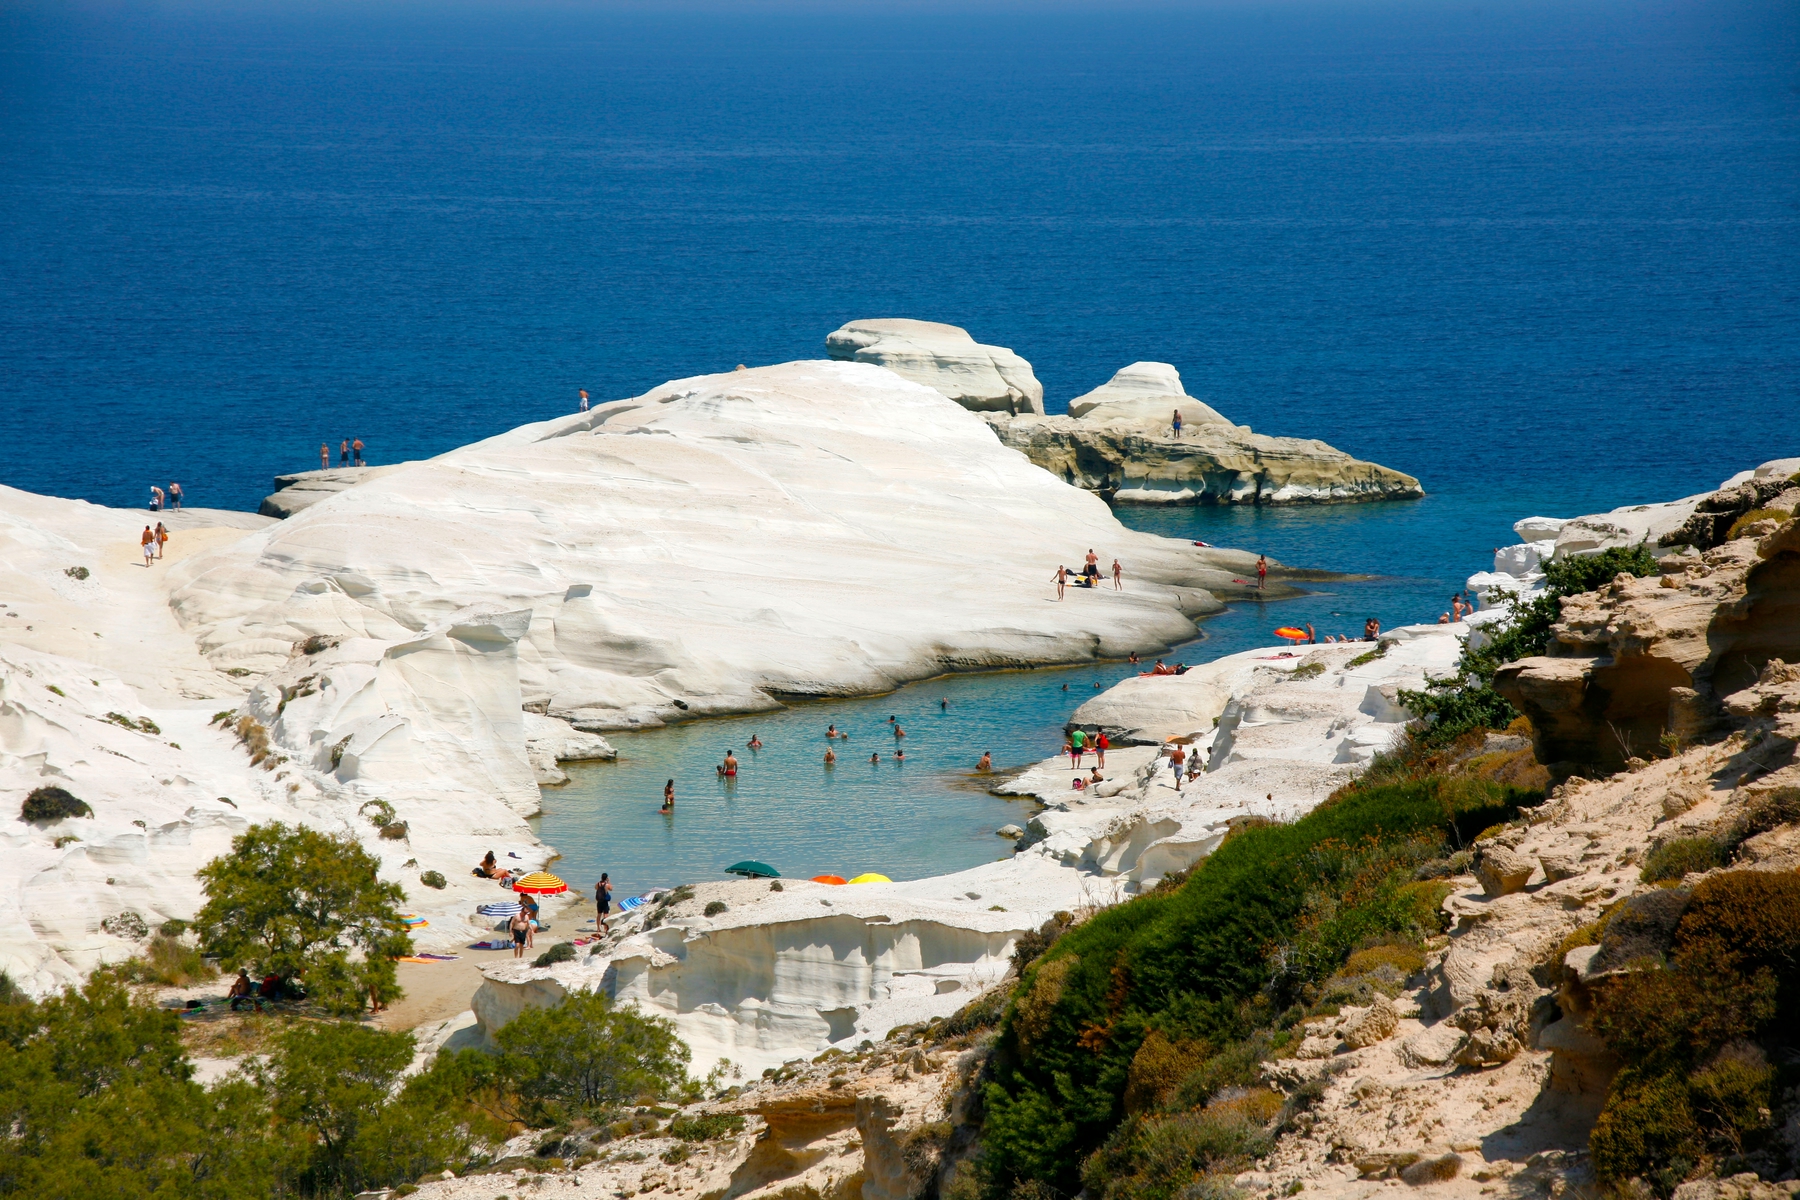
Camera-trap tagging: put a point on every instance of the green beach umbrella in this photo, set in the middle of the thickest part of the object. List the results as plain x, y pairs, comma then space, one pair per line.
751, 869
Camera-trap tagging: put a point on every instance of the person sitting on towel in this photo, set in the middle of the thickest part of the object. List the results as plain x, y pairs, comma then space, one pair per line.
490, 868
242, 990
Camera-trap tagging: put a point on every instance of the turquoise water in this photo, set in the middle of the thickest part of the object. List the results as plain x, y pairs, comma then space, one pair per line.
931, 813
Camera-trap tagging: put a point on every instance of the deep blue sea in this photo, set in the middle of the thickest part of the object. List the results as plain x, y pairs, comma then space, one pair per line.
1546, 257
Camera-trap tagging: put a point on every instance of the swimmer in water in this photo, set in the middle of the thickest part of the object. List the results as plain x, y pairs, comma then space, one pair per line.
874, 758
944, 705
830, 756
899, 756
898, 733
987, 762
728, 768
668, 797
830, 732
755, 742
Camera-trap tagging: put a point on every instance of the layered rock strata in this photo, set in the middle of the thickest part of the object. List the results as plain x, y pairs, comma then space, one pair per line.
1119, 441
1642, 662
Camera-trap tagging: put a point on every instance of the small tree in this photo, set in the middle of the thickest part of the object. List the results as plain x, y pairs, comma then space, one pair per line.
586, 1054
297, 902
339, 1083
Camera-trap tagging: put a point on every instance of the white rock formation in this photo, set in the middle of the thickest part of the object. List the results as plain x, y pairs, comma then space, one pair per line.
1146, 392
944, 358
809, 529
802, 530
104, 694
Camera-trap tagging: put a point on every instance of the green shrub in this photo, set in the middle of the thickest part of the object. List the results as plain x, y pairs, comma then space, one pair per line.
1693, 1034
714, 907
1752, 517
707, 1127
298, 902
174, 927
1466, 700
1681, 857
584, 1055
377, 812
168, 961
53, 804
1256, 926
434, 879
560, 953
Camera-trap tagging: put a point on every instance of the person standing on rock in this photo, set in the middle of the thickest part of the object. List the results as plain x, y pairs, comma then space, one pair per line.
520, 928
344, 453
148, 541
156, 498
324, 456
603, 901
1118, 576
584, 400
1102, 744
1061, 579
1262, 572
162, 538
1175, 423
175, 496
356, 448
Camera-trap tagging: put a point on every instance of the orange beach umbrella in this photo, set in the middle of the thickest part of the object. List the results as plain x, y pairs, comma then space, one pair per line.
540, 883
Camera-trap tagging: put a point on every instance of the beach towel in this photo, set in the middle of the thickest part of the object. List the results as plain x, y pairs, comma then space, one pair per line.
413, 922
638, 901
492, 944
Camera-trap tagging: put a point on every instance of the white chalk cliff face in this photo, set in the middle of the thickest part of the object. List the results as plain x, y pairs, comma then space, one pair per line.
809, 529
1145, 391
1119, 440
944, 358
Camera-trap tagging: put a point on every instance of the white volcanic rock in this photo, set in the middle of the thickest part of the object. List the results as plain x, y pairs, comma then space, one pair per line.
1146, 392
945, 358
802, 530
101, 692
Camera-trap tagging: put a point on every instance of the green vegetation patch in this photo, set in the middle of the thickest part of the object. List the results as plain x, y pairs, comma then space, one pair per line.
1466, 700
1219, 969
1698, 1034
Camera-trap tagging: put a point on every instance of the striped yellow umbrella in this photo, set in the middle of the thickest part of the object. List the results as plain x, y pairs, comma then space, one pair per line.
871, 877
540, 883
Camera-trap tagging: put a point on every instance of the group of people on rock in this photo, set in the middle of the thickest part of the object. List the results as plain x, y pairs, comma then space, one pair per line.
153, 541
346, 449
1089, 575
160, 499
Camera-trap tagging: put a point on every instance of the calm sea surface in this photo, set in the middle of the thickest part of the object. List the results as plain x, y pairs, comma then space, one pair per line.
1546, 258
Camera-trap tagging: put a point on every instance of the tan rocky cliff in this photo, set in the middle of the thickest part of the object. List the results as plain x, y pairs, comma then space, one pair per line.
1120, 441
1642, 660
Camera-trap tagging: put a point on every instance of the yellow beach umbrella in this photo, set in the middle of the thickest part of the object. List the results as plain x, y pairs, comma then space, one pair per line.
871, 877
540, 883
